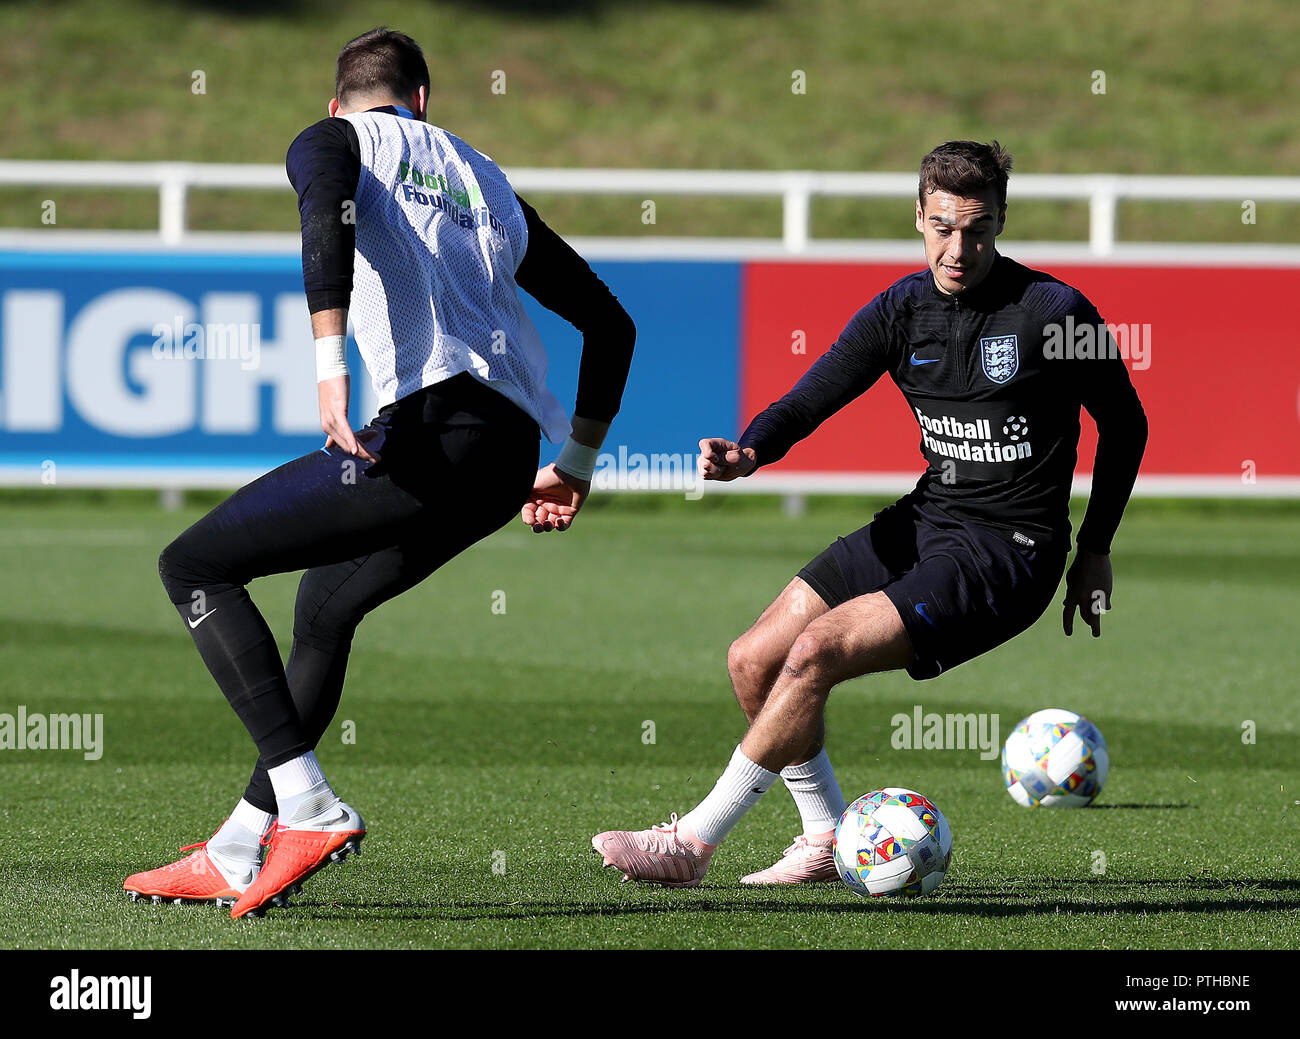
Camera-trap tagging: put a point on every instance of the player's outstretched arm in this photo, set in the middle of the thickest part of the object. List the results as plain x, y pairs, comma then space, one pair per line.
720, 459
859, 357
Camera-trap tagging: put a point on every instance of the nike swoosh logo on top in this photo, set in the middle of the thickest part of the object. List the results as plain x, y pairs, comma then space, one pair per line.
920, 608
195, 624
931, 360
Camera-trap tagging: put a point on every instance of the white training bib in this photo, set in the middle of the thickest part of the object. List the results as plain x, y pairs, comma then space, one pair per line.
439, 236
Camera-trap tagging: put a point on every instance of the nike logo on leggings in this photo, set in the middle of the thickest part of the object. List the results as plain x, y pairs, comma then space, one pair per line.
195, 623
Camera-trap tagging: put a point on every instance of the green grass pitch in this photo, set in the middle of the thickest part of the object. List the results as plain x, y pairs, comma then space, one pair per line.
489, 746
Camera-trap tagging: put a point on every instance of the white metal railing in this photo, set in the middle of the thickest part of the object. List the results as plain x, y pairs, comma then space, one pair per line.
796, 189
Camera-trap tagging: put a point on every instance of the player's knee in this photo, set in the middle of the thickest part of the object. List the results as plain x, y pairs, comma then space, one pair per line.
187, 566
816, 655
177, 571
739, 660
326, 630
324, 617
751, 673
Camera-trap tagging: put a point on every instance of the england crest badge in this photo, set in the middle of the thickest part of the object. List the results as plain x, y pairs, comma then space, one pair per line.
1001, 357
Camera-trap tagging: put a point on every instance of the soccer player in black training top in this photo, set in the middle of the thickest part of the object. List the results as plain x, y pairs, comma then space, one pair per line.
422, 237
968, 559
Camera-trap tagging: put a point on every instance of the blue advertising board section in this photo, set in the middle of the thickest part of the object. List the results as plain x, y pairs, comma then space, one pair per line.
685, 379
149, 363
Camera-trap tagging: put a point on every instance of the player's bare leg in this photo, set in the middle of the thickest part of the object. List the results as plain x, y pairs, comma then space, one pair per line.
861, 636
755, 658
754, 662
673, 856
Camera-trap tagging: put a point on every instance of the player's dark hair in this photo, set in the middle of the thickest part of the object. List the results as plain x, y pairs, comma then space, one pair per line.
380, 63
965, 169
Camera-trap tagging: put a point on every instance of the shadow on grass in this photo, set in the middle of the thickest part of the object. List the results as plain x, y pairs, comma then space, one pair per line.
1184, 805
1018, 899
1011, 887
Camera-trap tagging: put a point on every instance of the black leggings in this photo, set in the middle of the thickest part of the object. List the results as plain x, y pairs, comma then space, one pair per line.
456, 461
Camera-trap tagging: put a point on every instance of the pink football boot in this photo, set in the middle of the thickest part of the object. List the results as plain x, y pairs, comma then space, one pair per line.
663, 854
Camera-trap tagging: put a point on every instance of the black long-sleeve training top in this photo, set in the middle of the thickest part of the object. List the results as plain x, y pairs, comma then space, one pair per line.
995, 378
324, 167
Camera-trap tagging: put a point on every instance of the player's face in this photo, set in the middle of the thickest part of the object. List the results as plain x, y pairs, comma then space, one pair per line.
959, 234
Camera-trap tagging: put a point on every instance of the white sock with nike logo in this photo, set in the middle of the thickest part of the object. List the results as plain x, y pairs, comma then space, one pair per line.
301, 790
732, 796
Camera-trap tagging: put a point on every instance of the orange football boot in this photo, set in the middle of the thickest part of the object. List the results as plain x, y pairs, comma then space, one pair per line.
195, 878
297, 851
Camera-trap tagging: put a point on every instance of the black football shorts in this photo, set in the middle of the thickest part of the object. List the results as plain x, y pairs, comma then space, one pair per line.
960, 588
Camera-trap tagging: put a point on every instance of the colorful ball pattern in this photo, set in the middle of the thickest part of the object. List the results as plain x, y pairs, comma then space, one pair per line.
892, 842
1056, 759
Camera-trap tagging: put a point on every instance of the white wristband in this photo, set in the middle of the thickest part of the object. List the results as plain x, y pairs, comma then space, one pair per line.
577, 459
331, 357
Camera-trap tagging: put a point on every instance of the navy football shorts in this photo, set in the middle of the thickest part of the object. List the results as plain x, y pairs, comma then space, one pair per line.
960, 589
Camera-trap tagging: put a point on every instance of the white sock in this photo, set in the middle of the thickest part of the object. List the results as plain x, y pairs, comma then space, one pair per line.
240, 836
734, 794
301, 790
251, 818
816, 793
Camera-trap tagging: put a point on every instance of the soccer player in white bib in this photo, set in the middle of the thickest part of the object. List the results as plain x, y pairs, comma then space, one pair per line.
422, 239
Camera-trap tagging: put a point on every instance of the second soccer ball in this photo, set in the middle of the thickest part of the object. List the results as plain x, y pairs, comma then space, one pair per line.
1055, 758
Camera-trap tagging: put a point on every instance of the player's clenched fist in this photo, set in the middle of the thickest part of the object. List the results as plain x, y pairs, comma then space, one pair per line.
720, 459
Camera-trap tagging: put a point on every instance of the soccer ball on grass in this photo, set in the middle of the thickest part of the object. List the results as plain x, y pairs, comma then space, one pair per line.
892, 842
1056, 759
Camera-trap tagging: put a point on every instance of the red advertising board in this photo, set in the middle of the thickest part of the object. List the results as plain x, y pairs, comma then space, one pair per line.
1221, 382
